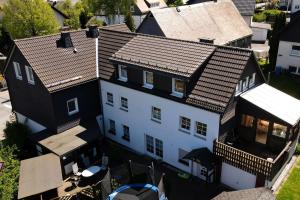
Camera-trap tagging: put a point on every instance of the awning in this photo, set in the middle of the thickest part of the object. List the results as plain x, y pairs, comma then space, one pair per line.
68, 140
39, 174
202, 156
275, 102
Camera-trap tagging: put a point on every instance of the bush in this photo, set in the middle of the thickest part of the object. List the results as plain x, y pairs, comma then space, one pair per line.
10, 174
16, 134
297, 149
266, 15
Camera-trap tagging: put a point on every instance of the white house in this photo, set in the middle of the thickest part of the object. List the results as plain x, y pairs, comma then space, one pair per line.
179, 102
288, 57
295, 6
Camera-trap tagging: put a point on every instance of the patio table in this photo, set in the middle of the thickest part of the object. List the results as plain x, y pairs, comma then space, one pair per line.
91, 171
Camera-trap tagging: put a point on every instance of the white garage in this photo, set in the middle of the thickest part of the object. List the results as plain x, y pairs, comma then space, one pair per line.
237, 178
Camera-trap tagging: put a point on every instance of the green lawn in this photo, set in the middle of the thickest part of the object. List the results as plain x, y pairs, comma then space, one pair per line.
290, 189
287, 83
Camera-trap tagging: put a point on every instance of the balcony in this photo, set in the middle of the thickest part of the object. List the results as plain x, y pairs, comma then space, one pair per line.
254, 160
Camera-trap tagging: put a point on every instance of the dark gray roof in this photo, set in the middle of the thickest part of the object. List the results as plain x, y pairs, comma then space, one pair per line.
164, 55
249, 194
117, 27
246, 7
59, 68
39, 174
292, 31
217, 82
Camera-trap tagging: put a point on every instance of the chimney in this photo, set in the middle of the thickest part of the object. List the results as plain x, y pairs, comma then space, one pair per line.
178, 9
92, 32
206, 40
65, 40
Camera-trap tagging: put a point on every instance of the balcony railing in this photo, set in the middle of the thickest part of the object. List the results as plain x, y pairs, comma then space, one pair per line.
249, 162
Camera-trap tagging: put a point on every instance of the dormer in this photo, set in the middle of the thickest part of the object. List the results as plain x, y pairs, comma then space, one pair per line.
153, 3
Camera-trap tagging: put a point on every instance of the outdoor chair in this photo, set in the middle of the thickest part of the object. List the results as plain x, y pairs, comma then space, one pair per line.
76, 170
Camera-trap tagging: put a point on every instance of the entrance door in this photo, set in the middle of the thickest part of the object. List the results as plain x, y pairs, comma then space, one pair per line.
201, 172
262, 131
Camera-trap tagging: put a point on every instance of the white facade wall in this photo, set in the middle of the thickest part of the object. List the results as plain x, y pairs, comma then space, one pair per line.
284, 57
295, 6
138, 119
259, 34
32, 125
237, 178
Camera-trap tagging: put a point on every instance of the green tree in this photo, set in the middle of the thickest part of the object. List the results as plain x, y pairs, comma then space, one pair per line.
10, 174
26, 18
129, 21
279, 24
16, 134
72, 11
174, 3
5, 41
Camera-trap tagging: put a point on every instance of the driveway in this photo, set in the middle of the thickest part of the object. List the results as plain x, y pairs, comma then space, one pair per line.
5, 110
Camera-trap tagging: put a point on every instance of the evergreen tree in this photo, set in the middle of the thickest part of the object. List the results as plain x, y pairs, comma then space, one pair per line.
26, 18
278, 26
129, 21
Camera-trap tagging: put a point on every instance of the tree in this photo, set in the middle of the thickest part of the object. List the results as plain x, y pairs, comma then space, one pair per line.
16, 134
10, 174
5, 41
130, 22
174, 3
26, 18
278, 26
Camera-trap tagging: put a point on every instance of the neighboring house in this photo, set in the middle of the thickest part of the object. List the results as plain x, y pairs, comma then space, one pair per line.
53, 89
245, 7
60, 16
182, 101
139, 12
295, 6
288, 57
260, 31
214, 22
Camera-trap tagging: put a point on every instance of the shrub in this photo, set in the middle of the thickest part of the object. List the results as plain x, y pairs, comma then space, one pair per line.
297, 149
10, 174
16, 134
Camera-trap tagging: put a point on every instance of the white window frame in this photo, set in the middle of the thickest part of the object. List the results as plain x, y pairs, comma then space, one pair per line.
252, 80
111, 129
108, 99
29, 74
149, 143
295, 52
121, 77
155, 115
122, 105
174, 92
17, 70
159, 148
245, 84
182, 123
203, 133
76, 106
132, 8
146, 84
126, 135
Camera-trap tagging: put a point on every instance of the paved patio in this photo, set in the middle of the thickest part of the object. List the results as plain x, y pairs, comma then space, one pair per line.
5, 110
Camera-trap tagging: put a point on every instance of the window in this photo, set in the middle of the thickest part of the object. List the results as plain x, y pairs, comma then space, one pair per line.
159, 148
126, 135
181, 154
295, 50
154, 4
122, 73
29, 74
201, 129
72, 105
148, 79
238, 89
109, 98
279, 130
112, 127
124, 103
247, 121
177, 87
17, 69
252, 80
292, 69
156, 113
185, 123
150, 143
297, 7
245, 84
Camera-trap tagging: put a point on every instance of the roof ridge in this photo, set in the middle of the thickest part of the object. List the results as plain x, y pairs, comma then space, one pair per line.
180, 40
50, 35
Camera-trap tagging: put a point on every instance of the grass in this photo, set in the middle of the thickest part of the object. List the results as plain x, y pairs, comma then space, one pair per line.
286, 83
290, 189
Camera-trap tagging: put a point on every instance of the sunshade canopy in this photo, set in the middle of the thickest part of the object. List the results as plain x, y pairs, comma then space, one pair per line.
68, 140
39, 174
202, 156
275, 102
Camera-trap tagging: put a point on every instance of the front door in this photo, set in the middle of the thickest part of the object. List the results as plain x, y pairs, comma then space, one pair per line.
201, 172
262, 131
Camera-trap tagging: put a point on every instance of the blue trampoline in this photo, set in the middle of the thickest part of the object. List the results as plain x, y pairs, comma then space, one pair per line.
135, 192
